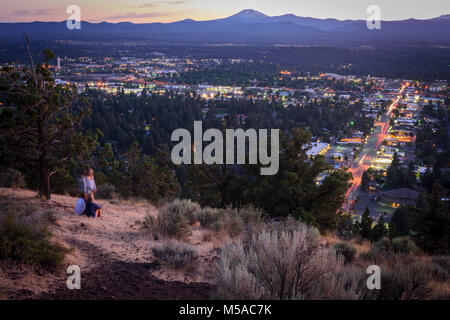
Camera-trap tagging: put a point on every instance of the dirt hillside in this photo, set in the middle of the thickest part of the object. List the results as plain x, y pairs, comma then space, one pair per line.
113, 253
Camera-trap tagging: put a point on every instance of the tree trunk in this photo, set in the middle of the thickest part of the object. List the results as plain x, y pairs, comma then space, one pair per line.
44, 178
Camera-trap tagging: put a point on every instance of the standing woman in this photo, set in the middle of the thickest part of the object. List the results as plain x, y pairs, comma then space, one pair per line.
81, 184
90, 187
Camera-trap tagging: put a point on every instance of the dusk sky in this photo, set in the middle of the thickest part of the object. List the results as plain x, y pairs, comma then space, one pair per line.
141, 11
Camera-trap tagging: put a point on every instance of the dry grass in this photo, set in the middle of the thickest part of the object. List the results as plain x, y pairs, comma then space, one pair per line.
441, 290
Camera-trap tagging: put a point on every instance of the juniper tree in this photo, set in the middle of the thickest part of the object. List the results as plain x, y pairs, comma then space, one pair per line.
142, 176
365, 226
40, 122
294, 191
393, 172
433, 223
380, 230
401, 222
365, 181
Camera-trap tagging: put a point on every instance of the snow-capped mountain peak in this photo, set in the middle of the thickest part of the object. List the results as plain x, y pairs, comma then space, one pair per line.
248, 14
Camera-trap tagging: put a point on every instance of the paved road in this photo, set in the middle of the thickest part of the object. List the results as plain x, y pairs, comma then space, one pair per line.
368, 156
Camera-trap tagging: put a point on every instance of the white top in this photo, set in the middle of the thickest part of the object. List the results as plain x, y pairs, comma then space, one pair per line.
89, 185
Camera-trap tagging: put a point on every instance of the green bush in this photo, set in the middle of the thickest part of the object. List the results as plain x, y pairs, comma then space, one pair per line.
347, 250
28, 243
175, 254
404, 245
106, 191
11, 178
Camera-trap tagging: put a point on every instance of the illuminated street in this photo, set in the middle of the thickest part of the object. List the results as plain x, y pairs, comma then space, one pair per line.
368, 155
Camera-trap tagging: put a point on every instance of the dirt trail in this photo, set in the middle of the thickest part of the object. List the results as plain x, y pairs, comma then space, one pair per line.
128, 281
113, 253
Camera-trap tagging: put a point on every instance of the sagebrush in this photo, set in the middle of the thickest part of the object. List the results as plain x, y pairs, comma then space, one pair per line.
175, 254
280, 264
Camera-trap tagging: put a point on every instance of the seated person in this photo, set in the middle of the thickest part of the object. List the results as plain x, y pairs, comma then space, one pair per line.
92, 209
80, 205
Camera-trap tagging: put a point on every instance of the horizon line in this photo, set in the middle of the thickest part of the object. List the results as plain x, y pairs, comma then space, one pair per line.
208, 20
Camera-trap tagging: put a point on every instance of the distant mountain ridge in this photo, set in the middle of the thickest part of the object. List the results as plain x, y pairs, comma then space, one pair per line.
248, 26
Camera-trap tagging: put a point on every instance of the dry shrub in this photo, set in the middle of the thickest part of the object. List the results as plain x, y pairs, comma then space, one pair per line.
251, 214
441, 268
385, 251
207, 236
443, 262
175, 254
380, 253
280, 264
404, 245
441, 290
173, 225
21, 207
408, 277
49, 217
106, 191
207, 216
347, 250
406, 281
185, 208
232, 221
174, 219
439, 273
